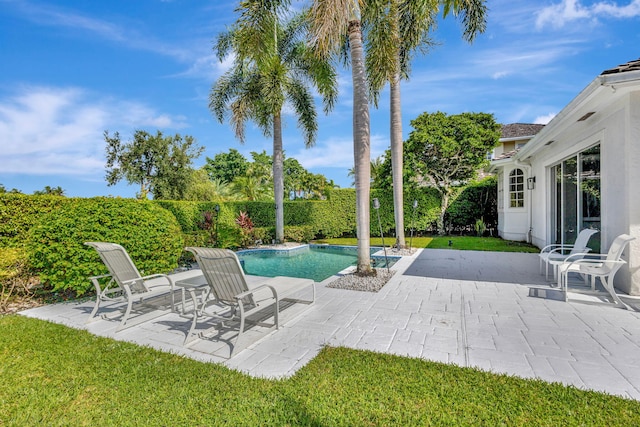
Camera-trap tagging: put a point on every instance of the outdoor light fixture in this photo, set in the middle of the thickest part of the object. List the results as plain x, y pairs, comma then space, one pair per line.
376, 204
531, 183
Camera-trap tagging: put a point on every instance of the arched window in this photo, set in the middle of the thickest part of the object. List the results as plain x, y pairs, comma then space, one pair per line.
516, 188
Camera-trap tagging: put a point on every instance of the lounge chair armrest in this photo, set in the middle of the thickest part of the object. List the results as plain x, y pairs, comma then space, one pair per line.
102, 276
597, 262
581, 255
560, 249
241, 296
151, 276
550, 247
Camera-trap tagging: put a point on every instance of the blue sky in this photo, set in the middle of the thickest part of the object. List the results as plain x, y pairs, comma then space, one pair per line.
72, 69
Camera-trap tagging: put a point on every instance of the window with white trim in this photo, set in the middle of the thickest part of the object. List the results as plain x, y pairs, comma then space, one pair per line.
516, 188
500, 192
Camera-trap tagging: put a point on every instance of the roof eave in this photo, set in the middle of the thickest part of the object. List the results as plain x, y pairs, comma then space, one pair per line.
599, 83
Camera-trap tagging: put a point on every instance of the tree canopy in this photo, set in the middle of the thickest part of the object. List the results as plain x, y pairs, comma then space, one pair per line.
160, 164
50, 191
447, 150
226, 166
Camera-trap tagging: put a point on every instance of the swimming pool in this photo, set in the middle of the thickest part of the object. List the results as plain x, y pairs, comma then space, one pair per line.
316, 262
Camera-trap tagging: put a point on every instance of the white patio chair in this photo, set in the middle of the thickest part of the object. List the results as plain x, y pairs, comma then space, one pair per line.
125, 283
602, 266
222, 271
557, 253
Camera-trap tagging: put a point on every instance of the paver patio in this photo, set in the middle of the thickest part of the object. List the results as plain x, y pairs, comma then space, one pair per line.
469, 308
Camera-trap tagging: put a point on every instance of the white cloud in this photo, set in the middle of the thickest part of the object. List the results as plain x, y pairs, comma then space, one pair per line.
560, 14
543, 120
337, 152
50, 130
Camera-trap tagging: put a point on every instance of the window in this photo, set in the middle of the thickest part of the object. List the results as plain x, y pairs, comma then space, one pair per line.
575, 192
500, 192
516, 188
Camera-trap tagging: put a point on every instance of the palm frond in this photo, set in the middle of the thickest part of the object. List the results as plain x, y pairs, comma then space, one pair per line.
302, 101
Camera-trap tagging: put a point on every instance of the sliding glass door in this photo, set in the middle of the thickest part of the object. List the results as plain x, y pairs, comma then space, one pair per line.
575, 197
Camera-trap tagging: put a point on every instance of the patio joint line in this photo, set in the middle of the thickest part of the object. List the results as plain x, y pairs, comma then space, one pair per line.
463, 329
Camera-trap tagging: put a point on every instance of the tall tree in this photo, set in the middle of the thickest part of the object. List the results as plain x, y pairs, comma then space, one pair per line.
226, 166
272, 66
161, 165
448, 150
332, 20
395, 31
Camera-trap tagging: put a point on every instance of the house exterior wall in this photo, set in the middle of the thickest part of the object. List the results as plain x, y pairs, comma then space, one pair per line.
633, 195
513, 223
617, 129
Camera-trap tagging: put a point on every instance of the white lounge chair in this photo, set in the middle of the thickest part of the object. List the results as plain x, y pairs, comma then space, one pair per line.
557, 253
229, 288
602, 266
125, 283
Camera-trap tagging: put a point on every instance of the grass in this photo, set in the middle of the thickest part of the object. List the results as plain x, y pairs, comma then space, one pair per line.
54, 375
466, 243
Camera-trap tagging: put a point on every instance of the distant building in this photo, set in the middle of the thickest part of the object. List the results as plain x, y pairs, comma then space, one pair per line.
513, 137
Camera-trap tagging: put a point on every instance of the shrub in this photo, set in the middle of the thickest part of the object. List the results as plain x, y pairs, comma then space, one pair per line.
301, 234
477, 200
14, 275
55, 246
19, 212
245, 223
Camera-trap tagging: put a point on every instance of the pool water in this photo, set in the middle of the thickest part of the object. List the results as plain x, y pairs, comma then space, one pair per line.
316, 262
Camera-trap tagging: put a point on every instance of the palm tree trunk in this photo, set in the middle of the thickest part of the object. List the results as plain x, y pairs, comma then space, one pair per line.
361, 147
278, 178
396, 159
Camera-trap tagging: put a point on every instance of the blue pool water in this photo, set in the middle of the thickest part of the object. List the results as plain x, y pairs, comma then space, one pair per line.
316, 262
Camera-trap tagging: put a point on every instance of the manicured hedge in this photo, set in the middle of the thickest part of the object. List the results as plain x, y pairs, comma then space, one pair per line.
478, 200
19, 212
149, 233
154, 232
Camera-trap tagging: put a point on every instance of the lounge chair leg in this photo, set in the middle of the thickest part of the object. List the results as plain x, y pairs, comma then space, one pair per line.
609, 287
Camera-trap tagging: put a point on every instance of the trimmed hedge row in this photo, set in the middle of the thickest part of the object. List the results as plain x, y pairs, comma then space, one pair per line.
55, 245
52, 229
19, 212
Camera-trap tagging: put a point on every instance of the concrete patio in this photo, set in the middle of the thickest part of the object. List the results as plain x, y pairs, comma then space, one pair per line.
468, 308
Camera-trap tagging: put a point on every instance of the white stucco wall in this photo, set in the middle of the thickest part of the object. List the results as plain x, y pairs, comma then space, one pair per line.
616, 127
632, 154
513, 223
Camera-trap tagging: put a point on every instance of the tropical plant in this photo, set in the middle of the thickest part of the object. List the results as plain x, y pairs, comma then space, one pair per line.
395, 30
161, 165
480, 227
251, 188
273, 65
246, 226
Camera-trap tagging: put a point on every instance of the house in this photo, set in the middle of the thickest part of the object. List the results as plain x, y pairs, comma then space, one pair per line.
582, 170
513, 137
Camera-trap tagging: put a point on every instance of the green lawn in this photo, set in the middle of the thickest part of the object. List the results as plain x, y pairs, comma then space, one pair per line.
468, 243
54, 375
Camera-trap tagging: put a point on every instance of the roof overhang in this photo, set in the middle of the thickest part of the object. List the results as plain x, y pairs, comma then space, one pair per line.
602, 91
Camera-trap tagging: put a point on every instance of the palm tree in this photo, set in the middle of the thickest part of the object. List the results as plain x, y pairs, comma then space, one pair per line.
331, 21
395, 30
273, 65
